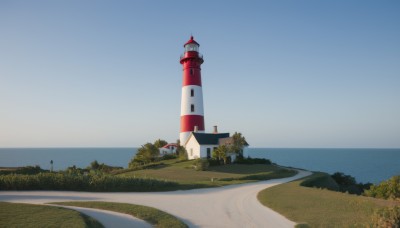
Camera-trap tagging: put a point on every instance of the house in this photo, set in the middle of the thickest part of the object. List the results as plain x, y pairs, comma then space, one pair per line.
201, 145
170, 148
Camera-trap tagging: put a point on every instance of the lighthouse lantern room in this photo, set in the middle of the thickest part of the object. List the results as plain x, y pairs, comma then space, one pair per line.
192, 111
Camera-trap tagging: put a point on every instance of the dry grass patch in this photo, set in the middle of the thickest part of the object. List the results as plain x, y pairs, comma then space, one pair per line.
320, 207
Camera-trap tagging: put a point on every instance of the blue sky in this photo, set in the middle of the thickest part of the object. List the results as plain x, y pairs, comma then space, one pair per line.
284, 73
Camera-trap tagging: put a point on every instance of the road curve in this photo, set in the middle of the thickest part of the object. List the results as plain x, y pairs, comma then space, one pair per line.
229, 206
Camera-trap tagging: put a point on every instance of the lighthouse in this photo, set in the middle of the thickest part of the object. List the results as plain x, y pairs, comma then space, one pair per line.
192, 112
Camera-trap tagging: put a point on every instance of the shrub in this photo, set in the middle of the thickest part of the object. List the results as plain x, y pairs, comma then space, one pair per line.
78, 182
387, 217
241, 160
389, 189
169, 157
214, 162
23, 170
321, 180
201, 164
348, 184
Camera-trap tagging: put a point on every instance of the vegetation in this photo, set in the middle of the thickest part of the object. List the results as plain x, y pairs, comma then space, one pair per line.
387, 217
28, 215
239, 141
95, 166
160, 143
348, 184
250, 161
201, 164
78, 182
153, 216
220, 153
181, 151
389, 189
183, 173
145, 154
320, 207
22, 170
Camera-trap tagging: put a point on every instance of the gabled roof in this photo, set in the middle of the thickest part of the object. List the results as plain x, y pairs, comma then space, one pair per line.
170, 144
209, 139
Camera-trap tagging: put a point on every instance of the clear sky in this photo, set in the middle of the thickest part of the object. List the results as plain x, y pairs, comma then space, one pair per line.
284, 73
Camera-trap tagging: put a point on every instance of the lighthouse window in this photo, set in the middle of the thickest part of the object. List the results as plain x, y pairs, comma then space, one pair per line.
192, 108
192, 93
191, 71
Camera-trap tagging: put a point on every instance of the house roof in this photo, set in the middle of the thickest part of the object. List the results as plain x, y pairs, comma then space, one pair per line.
229, 141
225, 141
170, 144
209, 139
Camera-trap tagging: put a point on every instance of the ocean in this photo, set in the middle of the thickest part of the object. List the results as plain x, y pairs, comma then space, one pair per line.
366, 165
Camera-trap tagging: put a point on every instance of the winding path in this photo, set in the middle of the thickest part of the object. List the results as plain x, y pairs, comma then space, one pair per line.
229, 206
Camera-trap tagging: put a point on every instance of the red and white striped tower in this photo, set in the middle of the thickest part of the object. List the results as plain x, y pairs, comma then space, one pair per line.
192, 112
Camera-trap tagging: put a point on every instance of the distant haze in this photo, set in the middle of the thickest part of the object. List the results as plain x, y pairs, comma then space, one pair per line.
283, 73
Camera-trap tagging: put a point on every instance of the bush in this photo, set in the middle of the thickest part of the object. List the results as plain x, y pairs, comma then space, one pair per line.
78, 182
348, 184
201, 164
389, 189
169, 157
214, 162
321, 180
23, 170
241, 160
388, 217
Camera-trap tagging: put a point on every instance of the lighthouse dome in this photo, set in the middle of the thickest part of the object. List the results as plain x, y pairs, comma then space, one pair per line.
191, 45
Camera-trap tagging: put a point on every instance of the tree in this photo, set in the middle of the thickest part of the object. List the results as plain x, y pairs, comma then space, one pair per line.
94, 165
147, 153
181, 151
220, 153
239, 142
160, 143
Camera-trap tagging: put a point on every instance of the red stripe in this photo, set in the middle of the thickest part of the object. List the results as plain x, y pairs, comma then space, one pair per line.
191, 79
189, 121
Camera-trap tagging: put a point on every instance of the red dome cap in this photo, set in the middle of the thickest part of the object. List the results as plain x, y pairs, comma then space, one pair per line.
191, 41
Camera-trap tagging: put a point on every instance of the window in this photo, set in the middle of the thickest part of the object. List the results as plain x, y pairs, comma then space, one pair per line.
208, 153
191, 152
192, 108
192, 93
191, 71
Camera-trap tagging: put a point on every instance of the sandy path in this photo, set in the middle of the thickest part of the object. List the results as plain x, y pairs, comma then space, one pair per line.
229, 206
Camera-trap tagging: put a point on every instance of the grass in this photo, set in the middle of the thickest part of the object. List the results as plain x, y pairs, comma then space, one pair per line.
28, 215
317, 207
188, 178
153, 216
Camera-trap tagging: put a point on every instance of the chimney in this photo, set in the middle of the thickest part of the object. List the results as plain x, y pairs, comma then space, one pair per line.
215, 130
196, 128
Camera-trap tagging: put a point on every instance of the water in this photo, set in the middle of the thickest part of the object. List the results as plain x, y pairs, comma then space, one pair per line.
367, 165
65, 157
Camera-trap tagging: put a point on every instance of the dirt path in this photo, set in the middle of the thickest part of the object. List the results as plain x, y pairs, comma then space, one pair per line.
229, 206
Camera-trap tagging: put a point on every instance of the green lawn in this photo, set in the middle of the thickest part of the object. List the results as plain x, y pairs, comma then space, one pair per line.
320, 207
187, 177
151, 215
28, 215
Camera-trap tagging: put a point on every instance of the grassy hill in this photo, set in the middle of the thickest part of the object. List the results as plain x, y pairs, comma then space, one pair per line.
28, 215
319, 207
188, 178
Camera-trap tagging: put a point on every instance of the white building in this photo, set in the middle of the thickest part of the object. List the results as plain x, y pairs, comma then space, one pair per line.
170, 148
201, 145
